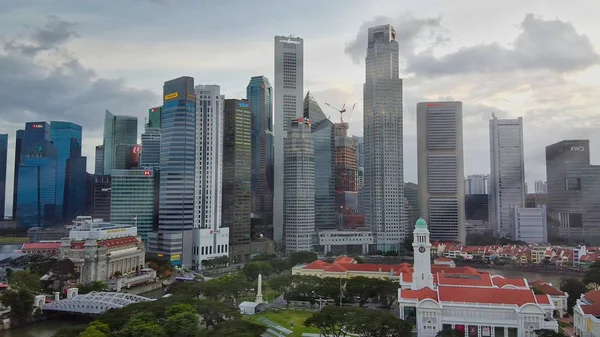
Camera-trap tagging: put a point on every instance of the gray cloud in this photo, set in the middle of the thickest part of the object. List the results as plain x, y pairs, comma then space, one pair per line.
161, 2
409, 29
54, 33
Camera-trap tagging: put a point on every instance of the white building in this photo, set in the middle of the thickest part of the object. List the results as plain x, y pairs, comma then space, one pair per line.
299, 187
334, 238
529, 224
476, 184
383, 148
507, 178
479, 304
289, 100
541, 187
586, 315
441, 169
98, 229
209, 240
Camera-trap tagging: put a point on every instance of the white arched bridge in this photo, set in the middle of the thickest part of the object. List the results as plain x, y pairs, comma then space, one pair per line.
95, 303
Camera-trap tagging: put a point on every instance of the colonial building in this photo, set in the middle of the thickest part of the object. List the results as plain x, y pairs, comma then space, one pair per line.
477, 304
586, 315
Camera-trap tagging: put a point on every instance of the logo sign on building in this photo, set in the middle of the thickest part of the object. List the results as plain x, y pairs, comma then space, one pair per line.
577, 148
147, 173
189, 96
289, 41
137, 149
38, 126
155, 109
435, 104
243, 105
120, 230
171, 96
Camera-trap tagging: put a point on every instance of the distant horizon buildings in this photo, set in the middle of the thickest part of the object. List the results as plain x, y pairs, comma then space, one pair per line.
477, 184
540, 187
383, 141
288, 105
507, 173
441, 169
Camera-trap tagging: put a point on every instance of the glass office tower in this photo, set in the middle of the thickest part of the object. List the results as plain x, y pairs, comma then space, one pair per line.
118, 130
75, 187
3, 158
36, 202
66, 137
18, 149
35, 132
154, 117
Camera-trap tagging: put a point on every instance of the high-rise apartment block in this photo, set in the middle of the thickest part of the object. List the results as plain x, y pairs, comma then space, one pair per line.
441, 169
237, 171
133, 194
299, 187
507, 178
573, 189
383, 148
529, 224
3, 159
177, 170
541, 187
118, 130
324, 155
260, 96
476, 184
288, 105
209, 238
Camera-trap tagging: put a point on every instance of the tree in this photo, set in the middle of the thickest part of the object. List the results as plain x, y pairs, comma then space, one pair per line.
376, 323
39, 264
574, 287
238, 328
180, 308
70, 331
92, 286
549, 333
363, 288
25, 279
215, 313
141, 325
329, 287
283, 285
407, 245
592, 275
191, 289
334, 321
388, 293
184, 324
20, 302
302, 257
230, 287
96, 329
279, 266
253, 269
264, 257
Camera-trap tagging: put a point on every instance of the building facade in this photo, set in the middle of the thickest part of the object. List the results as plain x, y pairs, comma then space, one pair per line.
383, 134
441, 169
210, 239
288, 104
36, 203
118, 130
76, 185
476, 184
132, 199
237, 170
507, 178
529, 224
299, 187
66, 137
154, 118
541, 187
102, 196
150, 155
18, 149
3, 160
346, 175
325, 156
177, 169
99, 161
260, 96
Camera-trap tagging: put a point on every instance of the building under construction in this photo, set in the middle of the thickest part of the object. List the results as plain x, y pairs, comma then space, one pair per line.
346, 178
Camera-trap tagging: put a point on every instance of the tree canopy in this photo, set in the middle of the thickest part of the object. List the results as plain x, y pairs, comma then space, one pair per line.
574, 287
340, 321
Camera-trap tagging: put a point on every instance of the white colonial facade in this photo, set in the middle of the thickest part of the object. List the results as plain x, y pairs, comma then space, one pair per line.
478, 304
586, 315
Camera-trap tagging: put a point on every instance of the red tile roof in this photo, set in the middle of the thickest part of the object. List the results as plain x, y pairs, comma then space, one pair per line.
542, 299
41, 245
450, 279
487, 295
344, 259
130, 240
547, 288
592, 309
500, 281
593, 296
318, 264
443, 259
420, 294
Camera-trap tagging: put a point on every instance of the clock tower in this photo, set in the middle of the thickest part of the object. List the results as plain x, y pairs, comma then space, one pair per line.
422, 276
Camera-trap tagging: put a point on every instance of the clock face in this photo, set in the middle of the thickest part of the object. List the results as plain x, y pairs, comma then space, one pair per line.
421, 249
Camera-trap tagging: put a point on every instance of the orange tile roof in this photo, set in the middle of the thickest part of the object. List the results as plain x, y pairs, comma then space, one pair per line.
335, 268
344, 259
547, 288
420, 294
592, 309
318, 264
542, 299
593, 296
41, 245
443, 259
449, 279
500, 281
487, 295
130, 240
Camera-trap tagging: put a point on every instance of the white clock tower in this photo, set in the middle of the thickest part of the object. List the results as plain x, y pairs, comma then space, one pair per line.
422, 276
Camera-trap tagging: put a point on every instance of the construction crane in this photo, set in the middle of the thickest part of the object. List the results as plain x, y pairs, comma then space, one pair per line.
342, 110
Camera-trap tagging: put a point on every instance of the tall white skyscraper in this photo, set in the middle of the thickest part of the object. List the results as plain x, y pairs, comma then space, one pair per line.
441, 169
289, 102
507, 178
383, 148
541, 187
476, 184
299, 187
209, 239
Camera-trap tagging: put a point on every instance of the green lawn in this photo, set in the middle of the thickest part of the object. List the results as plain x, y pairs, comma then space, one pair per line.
13, 239
284, 318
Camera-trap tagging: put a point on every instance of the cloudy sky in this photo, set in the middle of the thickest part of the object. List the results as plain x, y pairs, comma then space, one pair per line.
538, 59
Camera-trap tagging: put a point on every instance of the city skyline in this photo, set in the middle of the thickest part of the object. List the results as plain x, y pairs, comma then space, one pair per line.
330, 74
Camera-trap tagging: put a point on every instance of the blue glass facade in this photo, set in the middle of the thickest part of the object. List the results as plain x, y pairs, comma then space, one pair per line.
75, 187
3, 158
66, 137
36, 199
177, 161
118, 130
35, 132
18, 149
260, 96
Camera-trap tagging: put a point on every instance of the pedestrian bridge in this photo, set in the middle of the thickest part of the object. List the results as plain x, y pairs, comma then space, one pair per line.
94, 303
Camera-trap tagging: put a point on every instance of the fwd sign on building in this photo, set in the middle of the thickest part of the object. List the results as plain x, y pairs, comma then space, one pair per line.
577, 148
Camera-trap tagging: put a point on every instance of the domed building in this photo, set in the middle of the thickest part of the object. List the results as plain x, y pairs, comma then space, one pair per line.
477, 304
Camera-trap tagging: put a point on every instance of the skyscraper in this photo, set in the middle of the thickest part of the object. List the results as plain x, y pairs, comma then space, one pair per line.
299, 187
76, 184
441, 169
66, 137
260, 97
177, 167
18, 155
383, 149
126, 157
99, 161
541, 187
210, 240
289, 91
3, 159
476, 184
154, 117
102, 194
507, 173
35, 132
132, 199
237, 167
118, 130
36, 203
324, 162
150, 156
